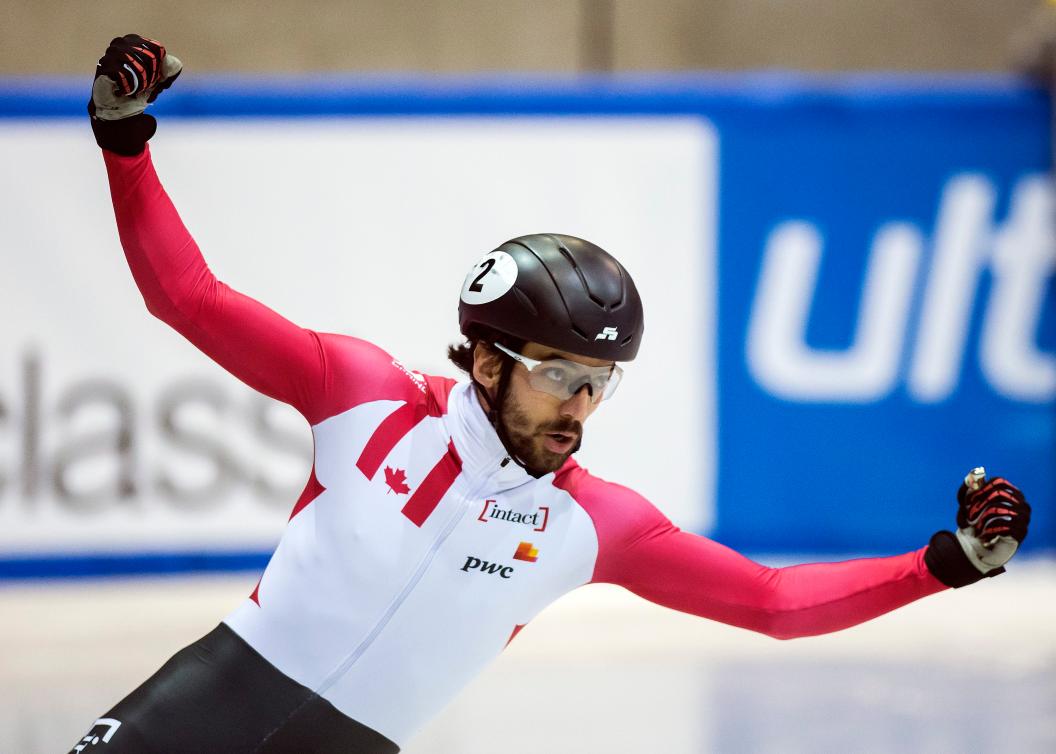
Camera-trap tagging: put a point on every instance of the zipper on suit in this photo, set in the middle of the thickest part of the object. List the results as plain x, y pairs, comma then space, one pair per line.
423, 566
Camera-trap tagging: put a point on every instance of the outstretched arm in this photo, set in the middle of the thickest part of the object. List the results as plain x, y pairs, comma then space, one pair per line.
640, 549
696, 575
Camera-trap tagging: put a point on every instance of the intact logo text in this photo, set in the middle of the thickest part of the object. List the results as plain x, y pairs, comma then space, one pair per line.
536, 519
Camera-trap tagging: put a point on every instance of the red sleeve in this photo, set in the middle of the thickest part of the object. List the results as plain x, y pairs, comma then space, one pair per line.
318, 374
641, 550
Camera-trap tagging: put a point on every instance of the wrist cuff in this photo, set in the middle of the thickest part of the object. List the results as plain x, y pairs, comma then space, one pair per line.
127, 136
948, 563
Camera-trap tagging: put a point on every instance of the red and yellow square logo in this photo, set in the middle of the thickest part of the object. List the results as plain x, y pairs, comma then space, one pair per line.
525, 551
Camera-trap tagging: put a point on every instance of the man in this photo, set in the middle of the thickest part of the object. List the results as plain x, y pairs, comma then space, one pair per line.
440, 516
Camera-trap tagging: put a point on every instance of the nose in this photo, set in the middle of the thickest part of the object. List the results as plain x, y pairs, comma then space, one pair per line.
578, 406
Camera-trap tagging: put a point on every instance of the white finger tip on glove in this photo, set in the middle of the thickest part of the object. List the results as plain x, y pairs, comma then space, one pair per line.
170, 66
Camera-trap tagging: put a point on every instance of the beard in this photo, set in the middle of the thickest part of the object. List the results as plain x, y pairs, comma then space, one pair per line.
526, 438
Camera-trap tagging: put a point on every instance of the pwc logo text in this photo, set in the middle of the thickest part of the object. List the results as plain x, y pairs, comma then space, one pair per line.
525, 551
495, 569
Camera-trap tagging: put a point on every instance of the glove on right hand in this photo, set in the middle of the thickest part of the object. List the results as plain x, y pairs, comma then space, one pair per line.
130, 75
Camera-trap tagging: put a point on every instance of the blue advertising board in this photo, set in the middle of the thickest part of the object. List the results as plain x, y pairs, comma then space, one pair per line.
886, 289
887, 315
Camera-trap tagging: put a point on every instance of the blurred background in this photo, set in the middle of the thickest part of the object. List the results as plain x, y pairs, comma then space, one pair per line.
552, 36
840, 215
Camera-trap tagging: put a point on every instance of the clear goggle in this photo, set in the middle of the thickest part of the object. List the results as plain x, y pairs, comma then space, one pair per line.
563, 379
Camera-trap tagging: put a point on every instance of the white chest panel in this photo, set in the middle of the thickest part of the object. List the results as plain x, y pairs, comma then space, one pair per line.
386, 595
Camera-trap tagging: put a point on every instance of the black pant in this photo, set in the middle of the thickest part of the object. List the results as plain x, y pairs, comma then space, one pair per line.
219, 695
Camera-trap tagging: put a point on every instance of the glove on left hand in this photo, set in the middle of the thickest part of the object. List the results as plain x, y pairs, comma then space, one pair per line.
130, 75
992, 521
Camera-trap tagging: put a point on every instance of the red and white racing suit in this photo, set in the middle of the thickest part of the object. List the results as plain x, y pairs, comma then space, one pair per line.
416, 551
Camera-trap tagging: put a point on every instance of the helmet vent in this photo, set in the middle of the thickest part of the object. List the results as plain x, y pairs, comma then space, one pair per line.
619, 301
579, 332
525, 301
608, 307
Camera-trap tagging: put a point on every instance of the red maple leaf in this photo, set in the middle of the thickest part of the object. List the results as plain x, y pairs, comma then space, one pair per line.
396, 479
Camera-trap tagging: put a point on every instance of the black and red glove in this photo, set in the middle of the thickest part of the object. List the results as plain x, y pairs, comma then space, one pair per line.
130, 75
996, 511
992, 520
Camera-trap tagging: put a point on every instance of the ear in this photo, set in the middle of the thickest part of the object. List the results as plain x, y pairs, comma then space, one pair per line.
487, 366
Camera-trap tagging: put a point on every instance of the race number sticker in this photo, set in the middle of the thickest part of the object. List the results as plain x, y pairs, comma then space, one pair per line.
491, 277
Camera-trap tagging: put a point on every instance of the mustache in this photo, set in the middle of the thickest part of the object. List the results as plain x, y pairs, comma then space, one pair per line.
566, 425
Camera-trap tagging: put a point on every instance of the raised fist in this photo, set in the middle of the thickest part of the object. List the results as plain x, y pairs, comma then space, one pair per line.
130, 75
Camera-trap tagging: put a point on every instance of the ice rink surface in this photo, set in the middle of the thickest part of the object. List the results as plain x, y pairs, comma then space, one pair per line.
972, 670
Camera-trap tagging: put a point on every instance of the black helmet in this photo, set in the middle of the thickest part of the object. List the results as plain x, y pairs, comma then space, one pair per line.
556, 290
